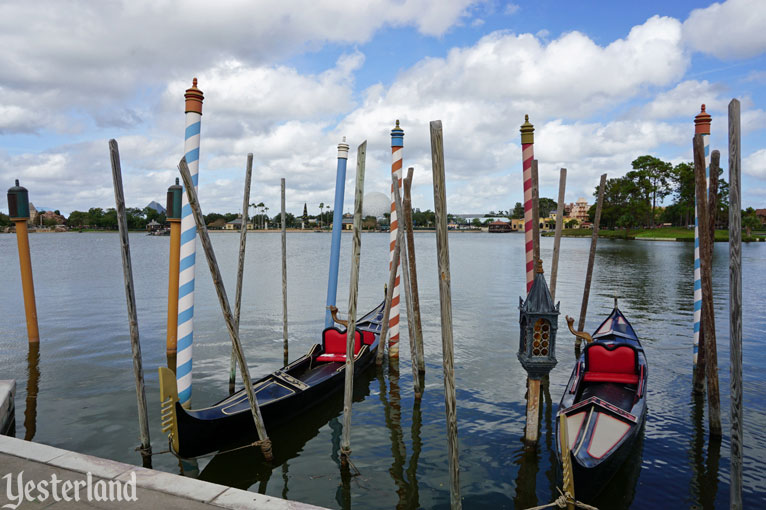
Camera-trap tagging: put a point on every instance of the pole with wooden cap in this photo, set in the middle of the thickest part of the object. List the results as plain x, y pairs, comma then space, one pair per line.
194, 98
173, 215
397, 147
18, 210
223, 300
337, 228
702, 123
356, 248
527, 155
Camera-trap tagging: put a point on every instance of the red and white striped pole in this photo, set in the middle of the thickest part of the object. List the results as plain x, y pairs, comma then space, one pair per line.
397, 146
527, 155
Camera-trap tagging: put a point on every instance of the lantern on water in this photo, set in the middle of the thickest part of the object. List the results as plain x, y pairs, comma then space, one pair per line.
538, 321
18, 202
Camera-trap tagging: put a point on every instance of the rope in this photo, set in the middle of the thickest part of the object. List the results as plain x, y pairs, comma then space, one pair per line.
562, 501
265, 445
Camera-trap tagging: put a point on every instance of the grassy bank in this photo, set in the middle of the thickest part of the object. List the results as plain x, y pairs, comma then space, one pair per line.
669, 233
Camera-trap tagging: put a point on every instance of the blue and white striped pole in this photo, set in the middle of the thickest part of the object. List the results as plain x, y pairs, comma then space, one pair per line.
194, 99
701, 126
337, 226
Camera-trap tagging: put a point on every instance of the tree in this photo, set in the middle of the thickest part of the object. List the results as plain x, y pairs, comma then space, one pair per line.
518, 211
77, 219
369, 223
546, 206
653, 177
750, 221
571, 223
476, 222
305, 216
321, 209
5, 220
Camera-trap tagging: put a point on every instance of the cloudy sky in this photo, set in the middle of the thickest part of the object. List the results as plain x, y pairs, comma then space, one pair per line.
603, 83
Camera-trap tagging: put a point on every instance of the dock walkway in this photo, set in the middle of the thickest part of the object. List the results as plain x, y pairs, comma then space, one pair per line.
39, 467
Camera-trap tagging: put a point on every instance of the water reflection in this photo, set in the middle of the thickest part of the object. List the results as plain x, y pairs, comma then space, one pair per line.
33, 385
704, 484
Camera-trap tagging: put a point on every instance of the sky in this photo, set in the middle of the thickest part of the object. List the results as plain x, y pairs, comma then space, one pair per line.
602, 82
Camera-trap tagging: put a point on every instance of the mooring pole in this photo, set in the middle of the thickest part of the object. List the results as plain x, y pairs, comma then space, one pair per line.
527, 156
389, 298
130, 295
407, 293
18, 210
173, 215
353, 289
708, 317
735, 304
337, 228
557, 236
241, 266
223, 300
535, 212
397, 147
407, 205
284, 276
445, 298
193, 108
591, 260
701, 127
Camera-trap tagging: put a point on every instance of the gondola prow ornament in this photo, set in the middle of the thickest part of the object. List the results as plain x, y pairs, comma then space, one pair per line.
538, 321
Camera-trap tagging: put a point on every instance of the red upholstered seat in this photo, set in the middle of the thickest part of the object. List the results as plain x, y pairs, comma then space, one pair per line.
368, 337
618, 365
335, 345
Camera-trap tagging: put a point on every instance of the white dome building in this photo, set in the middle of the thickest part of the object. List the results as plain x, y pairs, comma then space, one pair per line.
376, 204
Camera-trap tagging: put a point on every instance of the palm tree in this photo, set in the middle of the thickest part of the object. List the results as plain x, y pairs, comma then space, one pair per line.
321, 208
266, 218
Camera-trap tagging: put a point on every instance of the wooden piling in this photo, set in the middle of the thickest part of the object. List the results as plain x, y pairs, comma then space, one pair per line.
735, 305
712, 194
353, 289
223, 300
18, 209
284, 276
407, 204
407, 291
389, 297
532, 430
591, 260
241, 266
557, 236
535, 213
130, 295
445, 298
708, 317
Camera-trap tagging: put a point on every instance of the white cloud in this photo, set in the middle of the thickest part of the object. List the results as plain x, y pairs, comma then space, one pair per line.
729, 30
755, 164
684, 98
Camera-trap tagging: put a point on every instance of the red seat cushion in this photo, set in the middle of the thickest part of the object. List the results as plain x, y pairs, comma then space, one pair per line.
368, 337
335, 342
332, 357
619, 365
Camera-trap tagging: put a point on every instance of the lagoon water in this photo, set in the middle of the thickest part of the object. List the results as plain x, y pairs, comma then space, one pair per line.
80, 394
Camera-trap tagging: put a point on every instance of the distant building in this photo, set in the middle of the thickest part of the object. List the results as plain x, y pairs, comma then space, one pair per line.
348, 222
217, 224
579, 210
500, 226
761, 215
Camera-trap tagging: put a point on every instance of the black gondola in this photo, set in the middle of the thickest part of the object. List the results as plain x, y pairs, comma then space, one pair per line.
282, 395
604, 404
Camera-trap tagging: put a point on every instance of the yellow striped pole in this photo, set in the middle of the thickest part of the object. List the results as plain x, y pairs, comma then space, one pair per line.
18, 209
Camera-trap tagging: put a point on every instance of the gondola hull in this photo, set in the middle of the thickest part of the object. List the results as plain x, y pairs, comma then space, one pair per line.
282, 396
605, 406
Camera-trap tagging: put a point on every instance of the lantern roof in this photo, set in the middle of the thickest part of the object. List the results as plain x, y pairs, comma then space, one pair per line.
539, 299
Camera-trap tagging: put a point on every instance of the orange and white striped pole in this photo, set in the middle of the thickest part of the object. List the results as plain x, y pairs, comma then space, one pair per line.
397, 145
527, 155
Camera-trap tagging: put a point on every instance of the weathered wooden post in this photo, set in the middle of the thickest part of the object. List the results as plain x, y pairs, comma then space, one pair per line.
194, 98
735, 305
527, 156
557, 235
445, 298
535, 214
345, 447
389, 299
284, 276
337, 228
130, 295
397, 147
241, 266
712, 193
223, 300
407, 293
407, 205
591, 260
173, 215
706, 270
701, 127
18, 210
